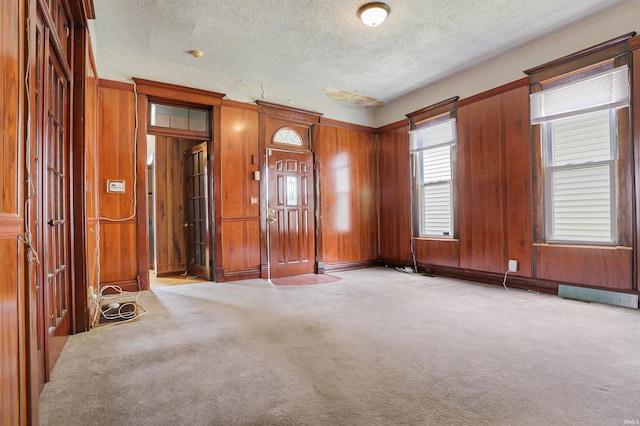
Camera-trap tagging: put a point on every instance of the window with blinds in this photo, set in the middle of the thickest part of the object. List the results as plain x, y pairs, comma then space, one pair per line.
579, 137
431, 146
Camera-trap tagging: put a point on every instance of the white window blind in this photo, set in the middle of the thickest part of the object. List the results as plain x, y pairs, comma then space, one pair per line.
609, 89
579, 125
431, 146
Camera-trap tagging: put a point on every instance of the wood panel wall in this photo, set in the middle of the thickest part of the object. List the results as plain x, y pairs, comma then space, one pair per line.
346, 158
495, 192
394, 198
91, 182
116, 156
240, 215
12, 279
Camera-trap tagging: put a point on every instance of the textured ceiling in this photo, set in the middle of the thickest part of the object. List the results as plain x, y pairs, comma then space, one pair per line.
307, 46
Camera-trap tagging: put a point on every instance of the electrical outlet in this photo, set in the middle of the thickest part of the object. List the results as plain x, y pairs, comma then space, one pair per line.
513, 265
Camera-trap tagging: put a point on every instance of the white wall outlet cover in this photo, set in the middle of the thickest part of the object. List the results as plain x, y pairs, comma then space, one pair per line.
513, 265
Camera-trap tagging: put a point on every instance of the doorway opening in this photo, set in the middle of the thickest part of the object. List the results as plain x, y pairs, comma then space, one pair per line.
177, 199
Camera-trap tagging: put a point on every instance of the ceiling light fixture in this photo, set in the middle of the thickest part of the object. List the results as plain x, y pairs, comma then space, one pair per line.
197, 53
373, 14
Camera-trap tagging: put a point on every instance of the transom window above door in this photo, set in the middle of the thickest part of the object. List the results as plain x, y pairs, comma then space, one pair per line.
287, 136
178, 117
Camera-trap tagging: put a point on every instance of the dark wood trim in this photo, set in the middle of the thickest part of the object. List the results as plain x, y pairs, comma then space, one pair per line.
493, 92
126, 285
172, 92
142, 208
239, 105
287, 110
602, 52
614, 42
249, 274
634, 43
393, 126
348, 266
132, 220
116, 85
344, 125
635, 152
177, 133
241, 219
431, 111
80, 317
317, 200
214, 151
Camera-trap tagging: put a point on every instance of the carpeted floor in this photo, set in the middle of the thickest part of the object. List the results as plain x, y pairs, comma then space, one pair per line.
379, 347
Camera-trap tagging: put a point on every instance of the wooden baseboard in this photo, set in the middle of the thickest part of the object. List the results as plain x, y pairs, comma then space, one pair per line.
347, 266
241, 275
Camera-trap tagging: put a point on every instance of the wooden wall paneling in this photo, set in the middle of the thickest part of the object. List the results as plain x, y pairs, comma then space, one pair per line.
91, 181
240, 192
394, 196
635, 126
440, 252
605, 267
118, 261
347, 187
241, 246
116, 156
14, 309
482, 233
517, 140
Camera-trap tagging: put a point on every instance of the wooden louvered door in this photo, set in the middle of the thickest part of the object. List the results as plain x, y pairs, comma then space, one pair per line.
291, 218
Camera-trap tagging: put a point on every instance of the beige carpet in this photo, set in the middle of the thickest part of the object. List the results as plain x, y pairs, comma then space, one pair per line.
379, 347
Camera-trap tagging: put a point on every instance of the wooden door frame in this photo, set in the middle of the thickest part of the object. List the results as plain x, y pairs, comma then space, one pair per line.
146, 91
271, 118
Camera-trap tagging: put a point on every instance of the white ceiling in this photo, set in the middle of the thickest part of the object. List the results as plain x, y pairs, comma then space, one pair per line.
284, 50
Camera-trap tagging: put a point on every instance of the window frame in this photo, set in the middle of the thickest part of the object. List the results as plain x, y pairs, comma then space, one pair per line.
549, 170
427, 117
616, 53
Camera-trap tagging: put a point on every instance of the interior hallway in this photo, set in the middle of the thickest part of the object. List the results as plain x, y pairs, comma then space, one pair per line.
378, 347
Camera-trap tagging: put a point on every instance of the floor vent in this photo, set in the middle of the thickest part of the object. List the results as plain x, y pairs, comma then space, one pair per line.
601, 296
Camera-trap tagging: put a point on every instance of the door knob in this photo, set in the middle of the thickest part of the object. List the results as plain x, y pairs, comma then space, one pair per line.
272, 219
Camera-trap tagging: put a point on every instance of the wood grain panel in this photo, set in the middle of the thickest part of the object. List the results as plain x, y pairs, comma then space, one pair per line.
437, 252
11, 362
116, 151
482, 186
607, 267
10, 106
394, 197
118, 251
347, 188
635, 125
239, 159
514, 106
241, 245
169, 187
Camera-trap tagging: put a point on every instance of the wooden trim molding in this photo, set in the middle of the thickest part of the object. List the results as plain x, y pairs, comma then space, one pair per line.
289, 112
347, 266
493, 92
431, 111
116, 85
240, 105
393, 126
592, 55
174, 92
344, 125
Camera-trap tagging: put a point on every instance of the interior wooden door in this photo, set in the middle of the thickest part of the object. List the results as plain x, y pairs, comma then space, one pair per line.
54, 203
291, 213
197, 222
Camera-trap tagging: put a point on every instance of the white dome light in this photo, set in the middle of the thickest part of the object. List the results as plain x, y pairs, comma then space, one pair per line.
373, 14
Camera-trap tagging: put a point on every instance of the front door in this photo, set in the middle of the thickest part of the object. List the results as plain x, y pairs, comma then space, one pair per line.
197, 223
291, 213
